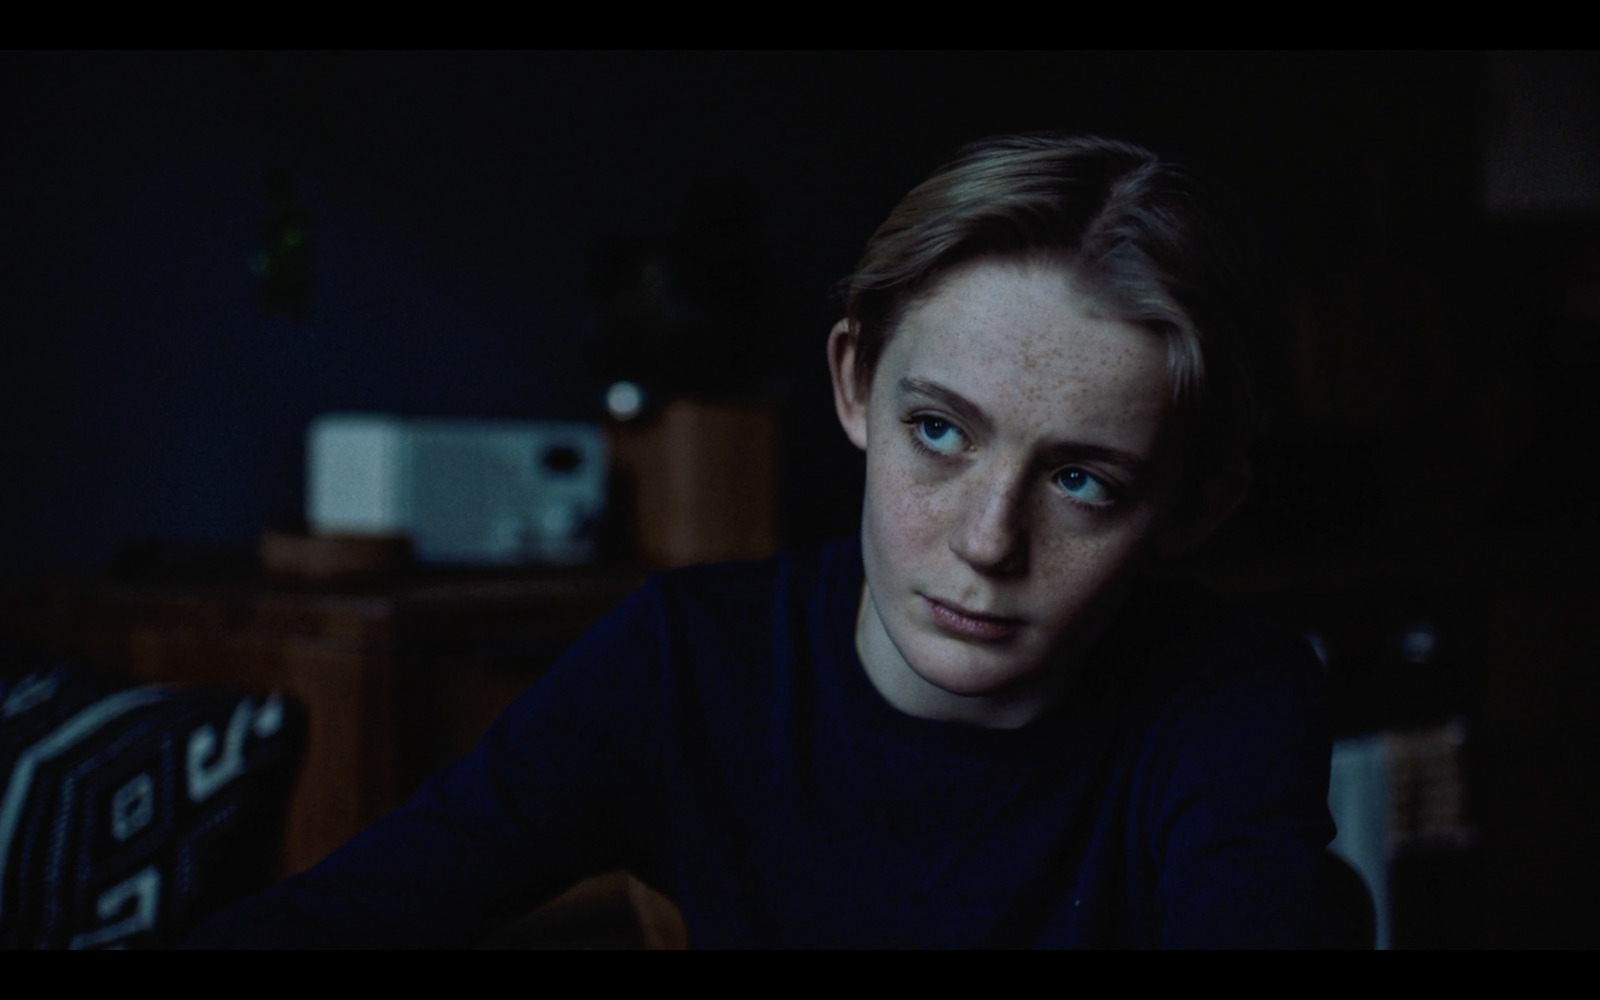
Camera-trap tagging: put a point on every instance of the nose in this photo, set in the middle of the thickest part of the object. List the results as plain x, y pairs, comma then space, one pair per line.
991, 536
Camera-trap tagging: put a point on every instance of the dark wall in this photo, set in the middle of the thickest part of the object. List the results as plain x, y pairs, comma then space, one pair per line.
457, 205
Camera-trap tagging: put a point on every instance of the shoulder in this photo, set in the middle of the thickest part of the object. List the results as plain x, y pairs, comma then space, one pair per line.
1223, 710
1180, 645
741, 583
744, 601
1234, 708
1233, 764
718, 624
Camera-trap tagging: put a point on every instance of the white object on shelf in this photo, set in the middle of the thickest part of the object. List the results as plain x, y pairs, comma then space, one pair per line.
474, 492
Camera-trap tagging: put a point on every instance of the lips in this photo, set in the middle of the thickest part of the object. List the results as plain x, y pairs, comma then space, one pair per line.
971, 625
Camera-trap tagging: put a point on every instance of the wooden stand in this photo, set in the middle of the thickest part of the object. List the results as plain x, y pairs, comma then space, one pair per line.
702, 480
397, 679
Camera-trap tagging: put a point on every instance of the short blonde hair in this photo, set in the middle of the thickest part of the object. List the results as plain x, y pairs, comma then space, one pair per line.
1151, 242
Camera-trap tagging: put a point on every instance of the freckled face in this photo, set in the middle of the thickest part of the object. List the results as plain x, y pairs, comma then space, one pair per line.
1013, 488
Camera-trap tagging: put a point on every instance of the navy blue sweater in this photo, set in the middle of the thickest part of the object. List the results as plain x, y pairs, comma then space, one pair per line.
717, 736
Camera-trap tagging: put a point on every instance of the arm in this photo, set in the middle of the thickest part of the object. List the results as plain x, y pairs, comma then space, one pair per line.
550, 794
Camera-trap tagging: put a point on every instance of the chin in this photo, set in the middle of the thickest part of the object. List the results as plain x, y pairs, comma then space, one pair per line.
971, 672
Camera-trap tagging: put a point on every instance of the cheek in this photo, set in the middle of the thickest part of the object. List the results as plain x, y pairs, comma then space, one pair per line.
1089, 569
902, 517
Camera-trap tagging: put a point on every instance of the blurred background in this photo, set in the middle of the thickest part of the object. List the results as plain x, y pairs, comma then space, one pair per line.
202, 252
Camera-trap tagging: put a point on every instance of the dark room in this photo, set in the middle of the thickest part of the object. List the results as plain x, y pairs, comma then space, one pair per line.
346, 391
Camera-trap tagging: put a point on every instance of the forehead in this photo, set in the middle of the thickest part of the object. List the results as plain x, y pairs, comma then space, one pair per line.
1022, 341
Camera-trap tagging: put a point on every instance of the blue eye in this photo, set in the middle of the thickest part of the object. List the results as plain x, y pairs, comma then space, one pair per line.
938, 435
1083, 486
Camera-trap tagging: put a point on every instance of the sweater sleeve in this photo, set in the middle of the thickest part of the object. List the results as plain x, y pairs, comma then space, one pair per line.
552, 793
1240, 821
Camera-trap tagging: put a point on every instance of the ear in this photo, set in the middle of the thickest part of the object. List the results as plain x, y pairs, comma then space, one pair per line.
849, 399
1212, 502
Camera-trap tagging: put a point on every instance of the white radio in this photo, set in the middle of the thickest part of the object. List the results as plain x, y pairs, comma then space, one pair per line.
465, 491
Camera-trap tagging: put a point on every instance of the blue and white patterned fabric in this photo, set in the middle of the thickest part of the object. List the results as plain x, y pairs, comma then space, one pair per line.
130, 813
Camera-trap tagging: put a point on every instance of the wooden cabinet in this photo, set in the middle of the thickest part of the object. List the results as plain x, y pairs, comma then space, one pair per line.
397, 680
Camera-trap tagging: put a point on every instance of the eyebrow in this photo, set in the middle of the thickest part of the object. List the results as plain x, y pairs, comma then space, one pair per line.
971, 413
964, 408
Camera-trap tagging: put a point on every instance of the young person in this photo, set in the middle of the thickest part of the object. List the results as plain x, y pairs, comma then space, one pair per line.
980, 722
